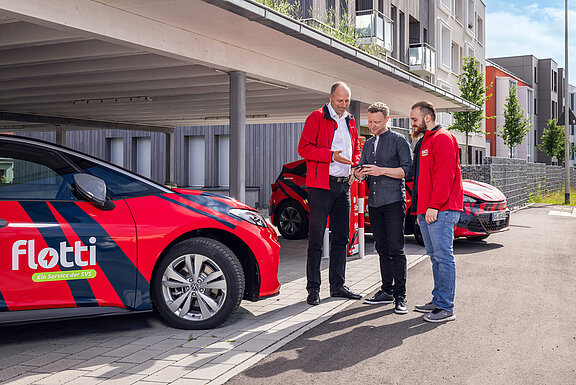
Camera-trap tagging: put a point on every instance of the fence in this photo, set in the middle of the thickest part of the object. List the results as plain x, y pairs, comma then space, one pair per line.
518, 179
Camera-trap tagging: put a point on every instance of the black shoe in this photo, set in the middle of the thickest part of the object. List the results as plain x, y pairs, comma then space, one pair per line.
400, 306
380, 298
344, 293
313, 298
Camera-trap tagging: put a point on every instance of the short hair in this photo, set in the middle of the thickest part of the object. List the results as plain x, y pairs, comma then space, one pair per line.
426, 108
379, 107
339, 84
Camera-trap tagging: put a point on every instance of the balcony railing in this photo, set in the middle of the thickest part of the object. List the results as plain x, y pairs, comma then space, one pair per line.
372, 27
422, 59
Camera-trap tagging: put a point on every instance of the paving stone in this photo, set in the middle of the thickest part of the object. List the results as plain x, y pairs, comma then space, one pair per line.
61, 377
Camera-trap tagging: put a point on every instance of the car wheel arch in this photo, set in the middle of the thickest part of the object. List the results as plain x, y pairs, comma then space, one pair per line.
236, 245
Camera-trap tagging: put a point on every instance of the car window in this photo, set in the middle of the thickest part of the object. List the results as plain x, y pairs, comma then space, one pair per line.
29, 172
118, 184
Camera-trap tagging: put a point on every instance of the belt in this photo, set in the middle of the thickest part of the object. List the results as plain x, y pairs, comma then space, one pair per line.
339, 179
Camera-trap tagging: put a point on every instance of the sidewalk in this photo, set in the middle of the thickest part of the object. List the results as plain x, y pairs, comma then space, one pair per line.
145, 351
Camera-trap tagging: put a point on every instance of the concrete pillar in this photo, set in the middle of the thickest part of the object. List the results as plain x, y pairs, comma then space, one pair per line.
61, 135
355, 110
170, 182
238, 135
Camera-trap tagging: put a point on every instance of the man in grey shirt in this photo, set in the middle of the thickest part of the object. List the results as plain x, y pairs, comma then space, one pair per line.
386, 159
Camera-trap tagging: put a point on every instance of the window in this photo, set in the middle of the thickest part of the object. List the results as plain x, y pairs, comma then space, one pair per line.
196, 160
480, 30
471, 15
535, 75
459, 11
445, 46
33, 173
446, 5
142, 156
115, 151
553, 112
470, 51
554, 81
223, 160
455, 60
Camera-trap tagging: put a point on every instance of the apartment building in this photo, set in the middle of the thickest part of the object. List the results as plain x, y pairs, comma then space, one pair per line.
501, 80
543, 77
429, 39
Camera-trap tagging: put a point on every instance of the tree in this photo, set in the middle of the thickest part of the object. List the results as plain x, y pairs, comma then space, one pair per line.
553, 140
516, 125
472, 86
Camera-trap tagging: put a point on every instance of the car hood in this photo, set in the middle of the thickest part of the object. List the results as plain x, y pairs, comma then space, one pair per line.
207, 196
482, 191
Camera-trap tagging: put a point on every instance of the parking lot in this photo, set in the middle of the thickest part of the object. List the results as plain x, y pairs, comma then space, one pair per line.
140, 348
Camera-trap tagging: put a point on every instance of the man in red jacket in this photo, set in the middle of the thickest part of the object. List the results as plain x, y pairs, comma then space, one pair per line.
437, 198
329, 144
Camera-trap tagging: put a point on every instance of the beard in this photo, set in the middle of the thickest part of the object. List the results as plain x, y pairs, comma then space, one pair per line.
418, 130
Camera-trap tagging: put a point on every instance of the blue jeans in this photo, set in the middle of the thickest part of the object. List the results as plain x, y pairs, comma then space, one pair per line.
438, 238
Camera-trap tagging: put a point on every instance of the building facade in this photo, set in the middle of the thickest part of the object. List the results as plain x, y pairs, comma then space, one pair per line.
501, 80
542, 76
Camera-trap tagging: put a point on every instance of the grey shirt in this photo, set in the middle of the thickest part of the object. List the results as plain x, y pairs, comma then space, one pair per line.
393, 151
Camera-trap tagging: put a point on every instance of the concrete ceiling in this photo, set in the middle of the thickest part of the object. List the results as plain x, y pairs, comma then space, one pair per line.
159, 64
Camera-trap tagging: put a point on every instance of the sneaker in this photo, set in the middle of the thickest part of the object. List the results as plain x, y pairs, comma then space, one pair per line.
439, 315
380, 298
400, 306
425, 308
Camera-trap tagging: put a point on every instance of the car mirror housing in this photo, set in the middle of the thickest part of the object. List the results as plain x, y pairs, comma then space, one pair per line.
93, 189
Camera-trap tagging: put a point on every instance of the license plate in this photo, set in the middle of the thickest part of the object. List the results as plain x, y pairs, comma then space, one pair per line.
499, 216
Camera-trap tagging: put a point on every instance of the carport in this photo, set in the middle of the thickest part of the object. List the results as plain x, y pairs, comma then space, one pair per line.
159, 64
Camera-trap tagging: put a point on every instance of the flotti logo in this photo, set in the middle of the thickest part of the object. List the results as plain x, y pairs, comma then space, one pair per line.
48, 257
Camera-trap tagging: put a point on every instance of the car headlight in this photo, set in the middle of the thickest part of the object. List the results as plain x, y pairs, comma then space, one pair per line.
469, 199
253, 217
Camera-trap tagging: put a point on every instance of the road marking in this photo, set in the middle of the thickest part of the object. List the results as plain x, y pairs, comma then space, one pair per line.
568, 212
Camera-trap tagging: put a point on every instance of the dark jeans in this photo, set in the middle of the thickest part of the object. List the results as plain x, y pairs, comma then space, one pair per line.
387, 224
333, 203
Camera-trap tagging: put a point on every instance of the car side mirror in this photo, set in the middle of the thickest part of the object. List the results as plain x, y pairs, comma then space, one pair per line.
93, 189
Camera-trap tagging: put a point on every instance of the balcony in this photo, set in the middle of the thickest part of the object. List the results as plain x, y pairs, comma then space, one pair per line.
422, 59
372, 27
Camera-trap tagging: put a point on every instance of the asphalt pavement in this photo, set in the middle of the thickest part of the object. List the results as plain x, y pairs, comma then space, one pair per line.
515, 320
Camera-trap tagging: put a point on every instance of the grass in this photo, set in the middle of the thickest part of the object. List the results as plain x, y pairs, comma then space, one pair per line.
555, 198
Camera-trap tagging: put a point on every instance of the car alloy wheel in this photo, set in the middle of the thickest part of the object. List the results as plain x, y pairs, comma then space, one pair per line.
292, 221
198, 284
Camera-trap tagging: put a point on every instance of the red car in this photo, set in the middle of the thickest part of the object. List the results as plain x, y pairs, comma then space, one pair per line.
80, 236
485, 208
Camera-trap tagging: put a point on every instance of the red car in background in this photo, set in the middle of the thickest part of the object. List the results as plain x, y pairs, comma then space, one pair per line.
485, 209
80, 236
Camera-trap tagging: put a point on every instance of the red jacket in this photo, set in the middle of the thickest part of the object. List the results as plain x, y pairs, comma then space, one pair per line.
439, 177
315, 144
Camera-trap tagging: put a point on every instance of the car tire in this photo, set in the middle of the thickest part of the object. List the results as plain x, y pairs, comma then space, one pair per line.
478, 237
201, 278
292, 221
418, 232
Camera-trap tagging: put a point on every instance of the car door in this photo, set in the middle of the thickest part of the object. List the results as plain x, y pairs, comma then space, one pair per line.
56, 250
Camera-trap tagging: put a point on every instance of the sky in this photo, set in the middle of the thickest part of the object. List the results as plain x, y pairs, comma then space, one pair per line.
531, 27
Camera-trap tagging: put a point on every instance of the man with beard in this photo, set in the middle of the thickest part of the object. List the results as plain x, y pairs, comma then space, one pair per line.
386, 159
437, 199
